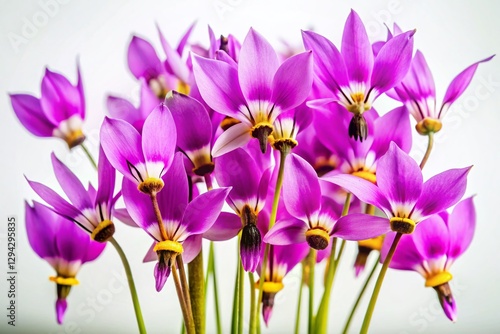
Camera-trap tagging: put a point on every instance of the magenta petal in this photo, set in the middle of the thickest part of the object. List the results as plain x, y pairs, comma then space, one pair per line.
122, 109
192, 247
72, 243
41, 228
61, 306
392, 62
59, 204
123, 216
392, 127
185, 38
142, 59
106, 180
442, 191
399, 176
256, 67
219, 86
406, 257
286, 232
329, 64
60, 100
159, 137
358, 226
29, 112
301, 190
161, 273
431, 237
461, 225
356, 49
226, 226
236, 136
71, 185
362, 189
461, 82
419, 80
114, 133
174, 60
293, 81
194, 129
202, 212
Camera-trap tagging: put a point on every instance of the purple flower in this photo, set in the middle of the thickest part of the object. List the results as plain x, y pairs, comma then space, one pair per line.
354, 76
122, 109
194, 131
255, 91
434, 247
184, 222
141, 158
314, 216
417, 91
288, 125
63, 245
401, 194
59, 112
88, 208
250, 182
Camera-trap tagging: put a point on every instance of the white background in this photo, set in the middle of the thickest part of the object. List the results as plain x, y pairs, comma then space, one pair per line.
452, 35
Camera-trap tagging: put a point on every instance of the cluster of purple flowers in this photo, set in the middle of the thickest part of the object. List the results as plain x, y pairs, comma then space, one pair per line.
293, 146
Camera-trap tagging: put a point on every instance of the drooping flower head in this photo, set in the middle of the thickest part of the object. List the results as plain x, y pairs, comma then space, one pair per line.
59, 112
183, 222
434, 247
401, 193
250, 181
353, 75
254, 91
418, 93
90, 209
141, 158
63, 245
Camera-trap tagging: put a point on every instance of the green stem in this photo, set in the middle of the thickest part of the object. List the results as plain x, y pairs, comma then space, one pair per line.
361, 294
131, 285
299, 302
87, 153
321, 322
272, 221
312, 264
211, 272
253, 315
197, 292
241, 291
236, 297
378, 284
188, 319
430, 144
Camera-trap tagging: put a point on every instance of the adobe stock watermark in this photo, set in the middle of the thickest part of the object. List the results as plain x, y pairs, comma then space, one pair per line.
223, 7
376, 25
32, 24
460, 111
87, 309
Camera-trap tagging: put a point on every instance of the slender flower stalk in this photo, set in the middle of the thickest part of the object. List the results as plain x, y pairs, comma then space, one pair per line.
430, 144
312, 259
253, 306
211, 272
299, 302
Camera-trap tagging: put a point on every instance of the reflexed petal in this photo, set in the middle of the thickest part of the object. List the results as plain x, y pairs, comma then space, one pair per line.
202, 212
256, 67
29, 112
41, 228
406, 257
219, 86
286, 232
392, 62
79, 87
72, 243
362, 189
263, 188
226, 227
293, 81
94, 250
194, 129
71, 185
114, 133
291, 255
301, 191
431, 237
159, 137
461, 225
123, 216
358, 226
442, 191
185, 38
142, 59
151, 254
356, 49
174, 197
419, 80
161, 273
392, 127
122, 109
460, 83
59, 204
174, 60
106, 179
192, 247
399, 177
329, 64
60, 100
61, 306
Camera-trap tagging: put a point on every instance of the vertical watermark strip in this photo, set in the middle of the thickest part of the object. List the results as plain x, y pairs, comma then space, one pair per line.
11, 273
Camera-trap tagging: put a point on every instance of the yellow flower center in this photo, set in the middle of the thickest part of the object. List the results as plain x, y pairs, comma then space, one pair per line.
374, 243
103, 231
368, 176
64, 280
272, 287
438, 279
150, 185
428, 125
402, 225
317, 238
169, 245
183, 88
74, 138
